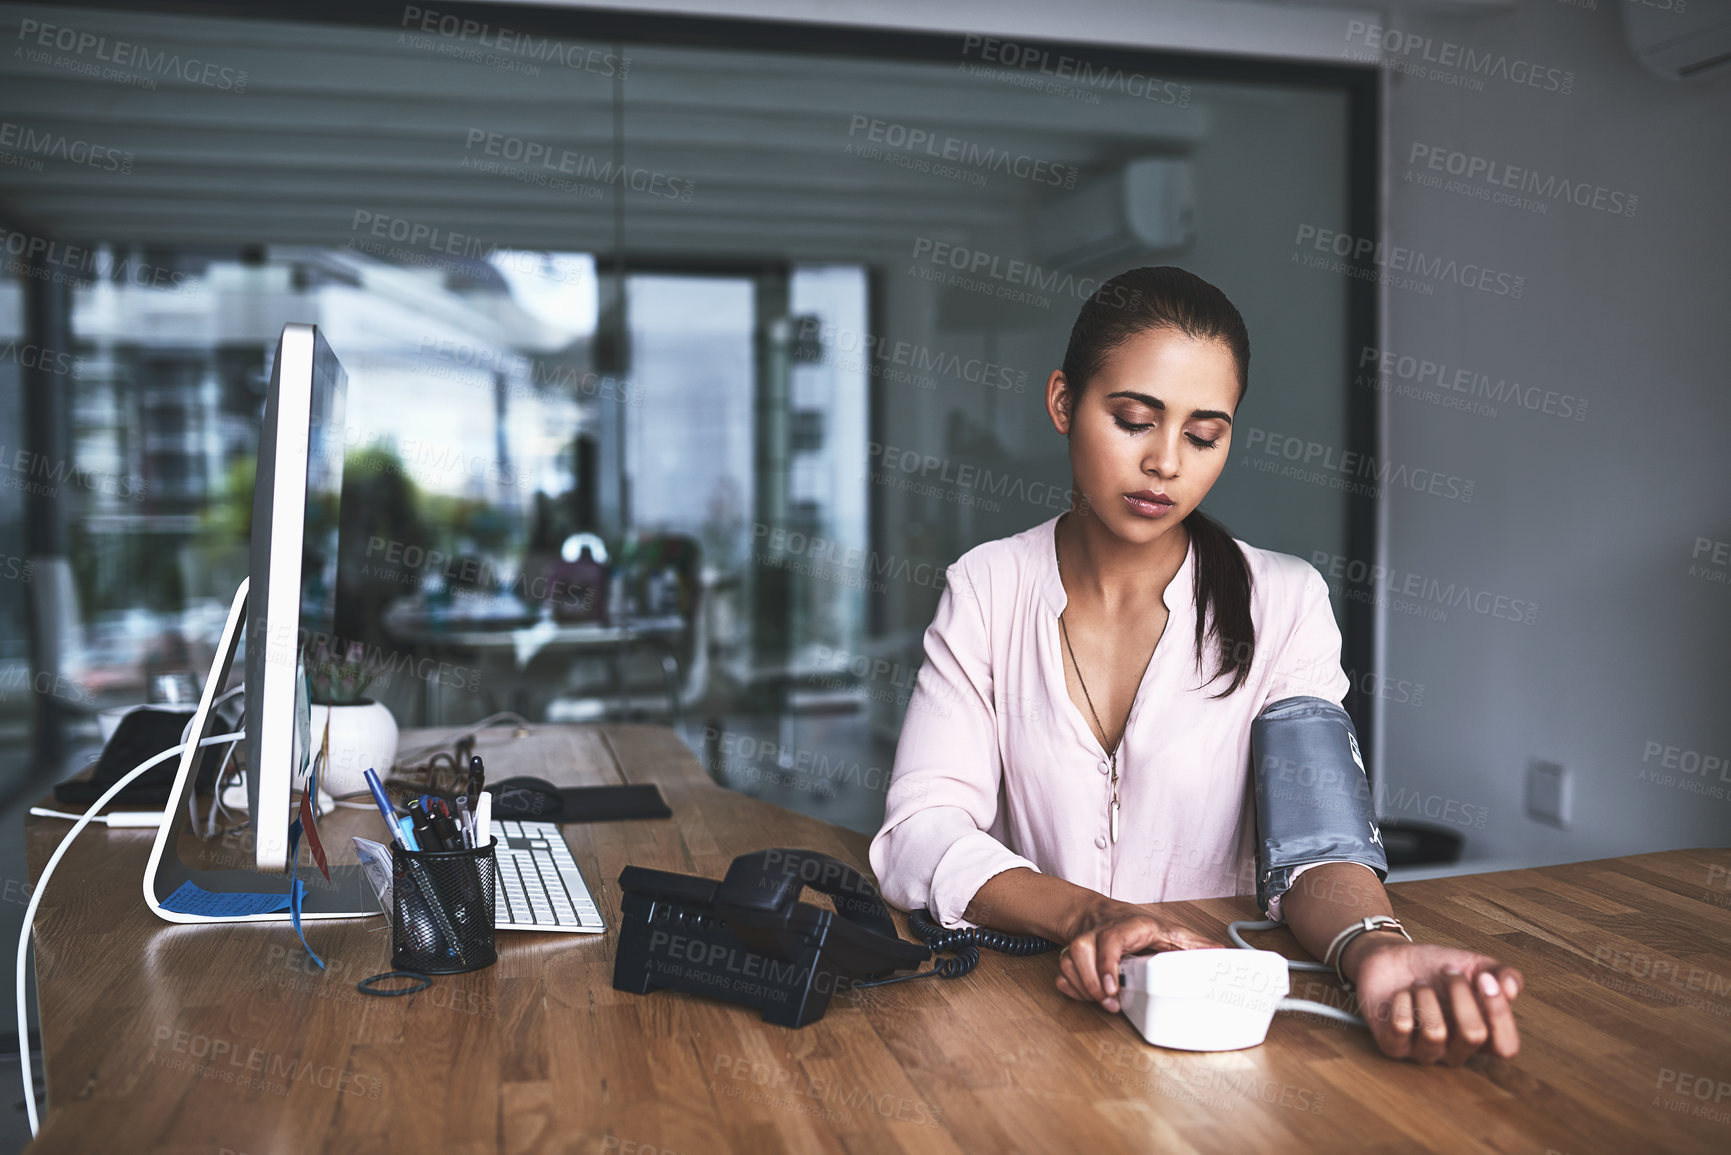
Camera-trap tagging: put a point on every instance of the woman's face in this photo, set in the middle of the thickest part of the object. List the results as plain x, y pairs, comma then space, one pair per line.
1150, 432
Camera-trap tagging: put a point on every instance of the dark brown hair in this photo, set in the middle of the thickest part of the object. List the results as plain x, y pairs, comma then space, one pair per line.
1167, 297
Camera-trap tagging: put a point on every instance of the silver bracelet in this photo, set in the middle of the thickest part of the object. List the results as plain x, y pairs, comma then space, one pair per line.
1337, 948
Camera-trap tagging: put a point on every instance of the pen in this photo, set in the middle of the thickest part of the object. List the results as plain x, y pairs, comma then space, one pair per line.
383, 801
446, 828
426, 834
477, 779
431, 901
484, 818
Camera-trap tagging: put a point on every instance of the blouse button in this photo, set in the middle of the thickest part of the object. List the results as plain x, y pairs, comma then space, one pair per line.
1100, 844
1105, 768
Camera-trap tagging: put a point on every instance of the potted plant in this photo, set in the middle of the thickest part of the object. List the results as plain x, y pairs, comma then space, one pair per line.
363, 734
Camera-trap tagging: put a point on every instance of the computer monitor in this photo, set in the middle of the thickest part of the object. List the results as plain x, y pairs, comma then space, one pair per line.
287, 603
297, 495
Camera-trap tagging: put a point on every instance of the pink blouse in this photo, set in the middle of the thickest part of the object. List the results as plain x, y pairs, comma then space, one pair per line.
996, 767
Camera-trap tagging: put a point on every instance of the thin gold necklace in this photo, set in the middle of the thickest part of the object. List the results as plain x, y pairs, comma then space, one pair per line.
1112, 754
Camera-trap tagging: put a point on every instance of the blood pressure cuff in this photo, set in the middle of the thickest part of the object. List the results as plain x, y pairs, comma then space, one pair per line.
1313, 799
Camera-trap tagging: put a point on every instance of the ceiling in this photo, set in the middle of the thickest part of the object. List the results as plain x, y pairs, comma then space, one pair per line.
339, 125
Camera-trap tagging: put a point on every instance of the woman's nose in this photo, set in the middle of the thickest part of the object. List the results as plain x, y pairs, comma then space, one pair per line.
1161, 458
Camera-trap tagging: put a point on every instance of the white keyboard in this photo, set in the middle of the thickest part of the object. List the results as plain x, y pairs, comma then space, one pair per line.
540, 887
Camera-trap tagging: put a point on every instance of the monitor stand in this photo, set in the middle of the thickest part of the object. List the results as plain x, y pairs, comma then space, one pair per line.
227, 893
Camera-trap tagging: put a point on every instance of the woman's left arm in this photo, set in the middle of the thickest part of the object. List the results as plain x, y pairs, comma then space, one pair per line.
1424, 1002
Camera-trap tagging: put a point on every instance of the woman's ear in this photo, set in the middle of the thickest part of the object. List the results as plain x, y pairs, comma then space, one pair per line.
1058, 402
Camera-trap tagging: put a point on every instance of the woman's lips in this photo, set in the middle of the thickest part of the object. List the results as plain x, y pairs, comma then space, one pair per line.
1149, 504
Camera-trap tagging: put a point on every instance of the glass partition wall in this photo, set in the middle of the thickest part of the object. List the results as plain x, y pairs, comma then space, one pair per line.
742, 330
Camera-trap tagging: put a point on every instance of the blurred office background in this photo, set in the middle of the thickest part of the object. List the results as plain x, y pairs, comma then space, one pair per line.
683, 302
757, 308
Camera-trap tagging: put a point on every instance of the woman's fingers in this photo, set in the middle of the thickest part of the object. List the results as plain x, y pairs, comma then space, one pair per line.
1087, 973
1109, 945
1183, 938
1430, 1041
1069, 979
1091, 961
1468, 1032
1400, 1025
1133, 936
1391, 1023
1494, 996
1112, 943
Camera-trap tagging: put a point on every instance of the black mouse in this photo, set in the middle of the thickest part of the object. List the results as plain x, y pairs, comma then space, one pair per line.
525, 797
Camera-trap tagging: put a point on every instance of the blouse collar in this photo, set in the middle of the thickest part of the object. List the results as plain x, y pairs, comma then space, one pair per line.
1052, 585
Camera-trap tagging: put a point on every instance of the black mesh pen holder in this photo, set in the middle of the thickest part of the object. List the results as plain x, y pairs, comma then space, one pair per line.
442, 909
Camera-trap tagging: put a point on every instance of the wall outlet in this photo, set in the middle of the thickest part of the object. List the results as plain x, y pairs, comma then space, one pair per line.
1548, 793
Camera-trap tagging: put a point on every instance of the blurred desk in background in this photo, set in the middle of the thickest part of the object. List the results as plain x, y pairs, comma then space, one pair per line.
505, 644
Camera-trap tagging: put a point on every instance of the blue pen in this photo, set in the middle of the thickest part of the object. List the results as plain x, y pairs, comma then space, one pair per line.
383, 801
406, 833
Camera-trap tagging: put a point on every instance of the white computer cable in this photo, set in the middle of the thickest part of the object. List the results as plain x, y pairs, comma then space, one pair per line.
186, 730
114, 819
216, 806
36, 900
191, 796
209, 831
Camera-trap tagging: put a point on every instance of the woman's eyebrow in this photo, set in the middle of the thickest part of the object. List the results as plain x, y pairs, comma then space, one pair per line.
1156, 403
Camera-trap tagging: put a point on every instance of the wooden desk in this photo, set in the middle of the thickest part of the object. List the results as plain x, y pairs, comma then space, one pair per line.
1626, 1023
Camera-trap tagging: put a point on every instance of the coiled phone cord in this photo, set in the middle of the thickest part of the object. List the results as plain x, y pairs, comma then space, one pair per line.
966, 943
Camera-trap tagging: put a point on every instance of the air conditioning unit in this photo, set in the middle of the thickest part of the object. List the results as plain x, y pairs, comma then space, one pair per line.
1148, 205
1679, 39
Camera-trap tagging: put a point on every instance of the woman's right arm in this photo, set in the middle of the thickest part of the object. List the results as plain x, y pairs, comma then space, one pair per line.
934, 850
1099, 931
1027, 902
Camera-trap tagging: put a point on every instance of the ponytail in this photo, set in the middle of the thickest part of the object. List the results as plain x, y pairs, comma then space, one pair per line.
1222, 585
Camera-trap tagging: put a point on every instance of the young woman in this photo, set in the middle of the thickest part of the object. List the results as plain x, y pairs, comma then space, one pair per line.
1076, 750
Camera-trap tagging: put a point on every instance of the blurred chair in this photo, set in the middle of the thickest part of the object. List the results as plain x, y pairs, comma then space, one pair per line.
658, 576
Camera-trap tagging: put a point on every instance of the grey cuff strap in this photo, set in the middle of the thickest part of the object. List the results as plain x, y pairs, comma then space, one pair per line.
1313, 800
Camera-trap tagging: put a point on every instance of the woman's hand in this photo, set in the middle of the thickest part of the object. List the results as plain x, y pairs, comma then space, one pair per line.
1431, 1003
1088, 967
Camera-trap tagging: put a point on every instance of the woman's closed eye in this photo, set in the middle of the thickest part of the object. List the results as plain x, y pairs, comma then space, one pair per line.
1138, 427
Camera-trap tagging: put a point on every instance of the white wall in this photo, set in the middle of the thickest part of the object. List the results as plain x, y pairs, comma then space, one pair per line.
1593, 519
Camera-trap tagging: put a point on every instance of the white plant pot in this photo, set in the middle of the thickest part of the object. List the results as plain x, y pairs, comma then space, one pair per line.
363, 737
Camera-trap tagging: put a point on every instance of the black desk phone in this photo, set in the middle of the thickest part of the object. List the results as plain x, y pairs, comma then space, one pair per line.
748, 939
